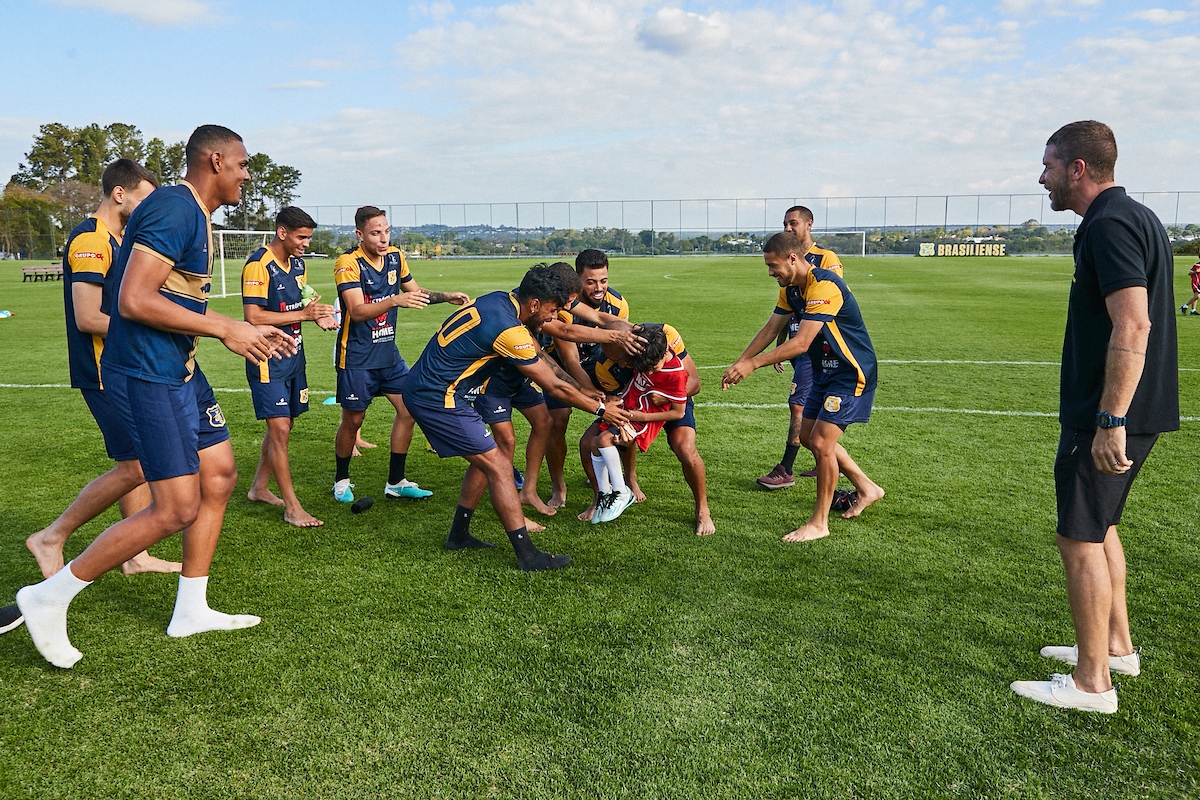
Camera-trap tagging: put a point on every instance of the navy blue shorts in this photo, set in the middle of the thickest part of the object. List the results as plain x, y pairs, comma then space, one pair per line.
169, 425
553, 402
280, 398
357, 387
802, 380
496, 408
117, 441
688, 420
453, 431
839, 407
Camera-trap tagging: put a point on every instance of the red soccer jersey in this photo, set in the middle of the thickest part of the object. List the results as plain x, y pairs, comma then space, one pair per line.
1195, 273
670, 382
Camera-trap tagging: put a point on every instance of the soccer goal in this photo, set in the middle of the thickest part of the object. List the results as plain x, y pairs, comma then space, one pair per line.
849, 243
232, 249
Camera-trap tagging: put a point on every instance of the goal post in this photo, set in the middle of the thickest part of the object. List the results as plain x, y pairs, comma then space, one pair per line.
849, 243
232, 248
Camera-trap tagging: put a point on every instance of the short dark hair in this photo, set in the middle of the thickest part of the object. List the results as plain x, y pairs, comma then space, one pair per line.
655, 349
804, 213
590, 259
570, 276
784, 243
207, 139
1089, 141
544, 284
126, 173
365, 215
294, 218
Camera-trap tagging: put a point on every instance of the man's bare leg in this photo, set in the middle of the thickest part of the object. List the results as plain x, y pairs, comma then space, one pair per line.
1120, 643
556, 456
795, 422
133, 502
260, 487
497, 472
217, 479
1090, 593
114, 486
868, 491
347, 432
505, 438
683, 444
821, 438
540, 427
279, 431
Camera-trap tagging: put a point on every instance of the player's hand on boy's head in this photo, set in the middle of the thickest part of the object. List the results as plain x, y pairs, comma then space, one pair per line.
417, 299
628, 341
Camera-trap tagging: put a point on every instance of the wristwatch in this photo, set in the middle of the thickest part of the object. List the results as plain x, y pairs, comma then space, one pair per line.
600, 410
1106, 420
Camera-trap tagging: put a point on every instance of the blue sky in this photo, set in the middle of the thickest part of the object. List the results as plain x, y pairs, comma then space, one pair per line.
604, 99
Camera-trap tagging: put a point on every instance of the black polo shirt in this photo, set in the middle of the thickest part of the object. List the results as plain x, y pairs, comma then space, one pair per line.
1119, 244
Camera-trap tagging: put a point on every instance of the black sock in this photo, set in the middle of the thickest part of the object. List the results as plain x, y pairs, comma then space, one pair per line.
789, 456
343, 469
460, 531
522, 544
396, 468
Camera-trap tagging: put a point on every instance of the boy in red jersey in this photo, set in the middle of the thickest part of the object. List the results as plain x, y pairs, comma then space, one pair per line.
656, 395
1194, 274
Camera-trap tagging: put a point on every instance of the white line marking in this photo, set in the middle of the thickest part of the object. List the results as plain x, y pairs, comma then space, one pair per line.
962, 361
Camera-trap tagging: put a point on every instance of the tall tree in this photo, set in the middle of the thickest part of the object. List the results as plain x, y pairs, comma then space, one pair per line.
271, 187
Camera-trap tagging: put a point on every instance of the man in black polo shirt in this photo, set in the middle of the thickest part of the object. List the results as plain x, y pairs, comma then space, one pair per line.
1119, 391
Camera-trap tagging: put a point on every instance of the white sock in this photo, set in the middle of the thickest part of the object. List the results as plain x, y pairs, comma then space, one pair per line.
603, 486
192, 614
45, 608
612, 459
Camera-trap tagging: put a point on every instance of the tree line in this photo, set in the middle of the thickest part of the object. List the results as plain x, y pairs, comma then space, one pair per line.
58, 184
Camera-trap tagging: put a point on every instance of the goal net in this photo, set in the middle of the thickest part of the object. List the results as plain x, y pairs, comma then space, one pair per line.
847, 243
232, 248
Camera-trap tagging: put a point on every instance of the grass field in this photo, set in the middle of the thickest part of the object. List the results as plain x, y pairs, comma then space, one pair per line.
874, 663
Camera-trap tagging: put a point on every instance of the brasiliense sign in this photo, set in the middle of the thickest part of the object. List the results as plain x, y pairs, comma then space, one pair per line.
965, 249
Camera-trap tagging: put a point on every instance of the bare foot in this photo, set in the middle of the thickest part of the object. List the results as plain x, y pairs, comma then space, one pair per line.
144, 562
49, 555
302, 519
704, 525
263, 496
638, 495
558, 500
865, 498
364, 444
533, 527
355, 453
586, 514
533, 501
806, 533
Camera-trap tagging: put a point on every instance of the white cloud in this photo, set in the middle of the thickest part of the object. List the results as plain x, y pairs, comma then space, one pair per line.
150, 12
556, 100
675, 31
300, 85
1160, 16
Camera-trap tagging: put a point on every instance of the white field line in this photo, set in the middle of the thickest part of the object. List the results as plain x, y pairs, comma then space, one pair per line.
962, 361
901, 409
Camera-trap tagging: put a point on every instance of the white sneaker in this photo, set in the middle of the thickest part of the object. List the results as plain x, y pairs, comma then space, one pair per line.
342, 491
406, 490
1060, 691
1126, 665
616, 505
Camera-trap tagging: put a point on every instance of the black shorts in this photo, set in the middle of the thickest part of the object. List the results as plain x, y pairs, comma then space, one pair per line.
1091, 501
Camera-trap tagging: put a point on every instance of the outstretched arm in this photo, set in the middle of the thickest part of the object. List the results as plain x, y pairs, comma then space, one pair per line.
742, 367
457, 298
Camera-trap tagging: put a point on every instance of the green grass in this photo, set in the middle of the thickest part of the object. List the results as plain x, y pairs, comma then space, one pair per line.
874, 663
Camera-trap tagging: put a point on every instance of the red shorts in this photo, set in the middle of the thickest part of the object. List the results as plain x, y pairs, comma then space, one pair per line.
647, 432
1196, 283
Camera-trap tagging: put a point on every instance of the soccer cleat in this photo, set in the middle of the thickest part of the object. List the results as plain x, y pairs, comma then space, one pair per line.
778, 478
1126, 665
518, 478
1194, 312
341, 491
616, 505
405, 490
843, 500
1183, 309
10, 618
603, 501
1060, 692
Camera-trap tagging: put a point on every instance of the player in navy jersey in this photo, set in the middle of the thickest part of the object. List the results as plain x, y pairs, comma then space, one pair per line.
372, 282
157, 296
833, 335
471, 346
274, 284
88, 256
799, 221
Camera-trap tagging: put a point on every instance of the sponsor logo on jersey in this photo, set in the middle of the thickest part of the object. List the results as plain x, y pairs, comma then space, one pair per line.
86, 254
254, 283
525, 346
815, 302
